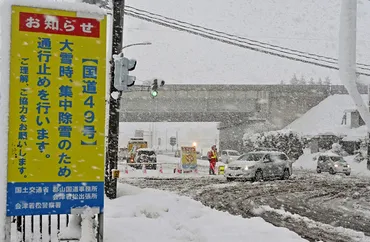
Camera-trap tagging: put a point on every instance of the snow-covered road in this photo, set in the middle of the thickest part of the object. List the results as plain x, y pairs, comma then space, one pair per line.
316, 206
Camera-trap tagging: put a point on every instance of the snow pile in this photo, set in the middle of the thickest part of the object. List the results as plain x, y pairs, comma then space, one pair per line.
144, 214
357, 168
326, 117
357, 236
73, 230
88, 226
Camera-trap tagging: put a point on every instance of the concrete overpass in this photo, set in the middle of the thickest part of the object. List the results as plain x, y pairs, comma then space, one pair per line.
237, 108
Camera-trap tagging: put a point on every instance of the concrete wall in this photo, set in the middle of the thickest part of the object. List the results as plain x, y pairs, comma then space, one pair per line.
236, 107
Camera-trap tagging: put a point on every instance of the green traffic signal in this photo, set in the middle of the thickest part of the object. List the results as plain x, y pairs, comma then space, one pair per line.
154, 93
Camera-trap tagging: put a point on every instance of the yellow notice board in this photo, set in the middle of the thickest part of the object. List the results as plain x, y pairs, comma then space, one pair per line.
188, 158
57, 110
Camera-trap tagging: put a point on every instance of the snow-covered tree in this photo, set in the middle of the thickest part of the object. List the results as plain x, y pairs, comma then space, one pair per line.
302, 81
319, 82
311, 81
338, 149
284, 140
294, 80
327, 81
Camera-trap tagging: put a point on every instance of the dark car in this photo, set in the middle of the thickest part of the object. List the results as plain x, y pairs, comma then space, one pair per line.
147, 156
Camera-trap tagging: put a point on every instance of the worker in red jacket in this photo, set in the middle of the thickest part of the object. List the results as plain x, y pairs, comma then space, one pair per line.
212, 158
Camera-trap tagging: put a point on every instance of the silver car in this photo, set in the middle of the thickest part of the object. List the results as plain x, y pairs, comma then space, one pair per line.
332, 163
228, 156
259, 165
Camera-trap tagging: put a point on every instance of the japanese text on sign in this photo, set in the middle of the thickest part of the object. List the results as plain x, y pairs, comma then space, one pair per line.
50, 24
57, 111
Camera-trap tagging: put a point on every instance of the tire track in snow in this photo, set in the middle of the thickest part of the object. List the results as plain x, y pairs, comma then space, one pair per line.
309, 204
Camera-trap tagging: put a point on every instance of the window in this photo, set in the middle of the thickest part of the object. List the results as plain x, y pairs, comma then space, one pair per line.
267, 158
277, 157
234, 153
146, 152
251, 157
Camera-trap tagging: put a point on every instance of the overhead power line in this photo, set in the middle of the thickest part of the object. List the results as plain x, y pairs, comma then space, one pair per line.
255, 42
305, 57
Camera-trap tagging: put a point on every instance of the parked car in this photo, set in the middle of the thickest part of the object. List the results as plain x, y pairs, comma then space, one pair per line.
332, 163
148, 156
259, 165
228, 156
204, 157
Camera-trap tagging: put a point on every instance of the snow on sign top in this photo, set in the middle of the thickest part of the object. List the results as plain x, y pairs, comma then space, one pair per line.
40, 23
51, 4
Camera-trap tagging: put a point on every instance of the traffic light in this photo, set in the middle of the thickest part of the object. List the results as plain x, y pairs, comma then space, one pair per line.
154, 88
122, 67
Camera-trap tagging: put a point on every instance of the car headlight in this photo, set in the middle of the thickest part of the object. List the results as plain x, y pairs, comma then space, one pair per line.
246, 168
335, 165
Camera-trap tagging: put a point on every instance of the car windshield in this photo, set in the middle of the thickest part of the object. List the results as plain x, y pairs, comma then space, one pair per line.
251, 157
337, 159
146, 152
234, 153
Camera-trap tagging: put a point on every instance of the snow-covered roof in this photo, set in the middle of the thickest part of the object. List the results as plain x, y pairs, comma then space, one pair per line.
326, 118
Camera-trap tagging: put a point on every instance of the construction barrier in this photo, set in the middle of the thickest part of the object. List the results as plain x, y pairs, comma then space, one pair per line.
165, 168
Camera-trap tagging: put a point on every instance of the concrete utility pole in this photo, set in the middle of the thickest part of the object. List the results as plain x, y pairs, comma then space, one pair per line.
114, 103
347, 61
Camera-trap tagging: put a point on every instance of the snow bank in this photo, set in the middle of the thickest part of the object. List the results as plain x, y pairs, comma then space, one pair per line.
144, 214
357, 236
358, 168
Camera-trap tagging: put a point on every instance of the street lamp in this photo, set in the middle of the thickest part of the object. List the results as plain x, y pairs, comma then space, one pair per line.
135, 44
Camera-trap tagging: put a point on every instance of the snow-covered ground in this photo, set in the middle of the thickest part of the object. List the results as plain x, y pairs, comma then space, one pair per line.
144, 214
306, 162
319, 207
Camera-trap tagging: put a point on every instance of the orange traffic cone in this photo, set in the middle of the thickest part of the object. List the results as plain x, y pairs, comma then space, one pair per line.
144, 169
126, 169
160, 169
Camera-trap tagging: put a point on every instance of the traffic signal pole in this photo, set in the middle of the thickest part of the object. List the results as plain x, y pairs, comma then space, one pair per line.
114, 103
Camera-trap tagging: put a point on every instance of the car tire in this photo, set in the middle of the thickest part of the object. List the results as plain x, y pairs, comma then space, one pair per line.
286, 174
258, 176
230, 179
331, 171
347, 174
318, 170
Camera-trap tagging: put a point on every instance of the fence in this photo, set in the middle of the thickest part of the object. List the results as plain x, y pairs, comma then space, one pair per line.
166, 168
45, 228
